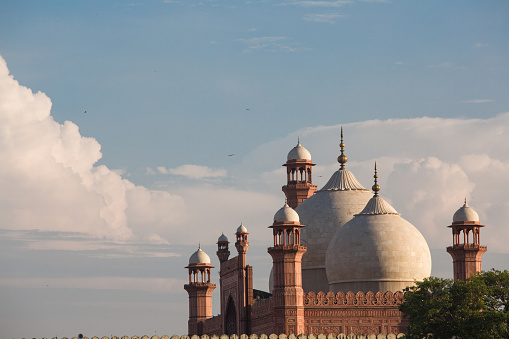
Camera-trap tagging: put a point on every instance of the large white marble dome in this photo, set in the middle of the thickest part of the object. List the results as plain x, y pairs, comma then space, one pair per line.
377, 250
323, 214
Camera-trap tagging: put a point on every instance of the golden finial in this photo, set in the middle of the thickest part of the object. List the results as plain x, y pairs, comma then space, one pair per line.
342, 159
199, 246
375, 187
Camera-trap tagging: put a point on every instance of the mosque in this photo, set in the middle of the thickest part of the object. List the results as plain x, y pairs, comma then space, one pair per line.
342, 257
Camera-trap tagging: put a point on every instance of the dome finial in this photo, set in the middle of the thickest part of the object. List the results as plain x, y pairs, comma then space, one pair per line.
199, 246
466, 201
376, 187
298, 140
342, 159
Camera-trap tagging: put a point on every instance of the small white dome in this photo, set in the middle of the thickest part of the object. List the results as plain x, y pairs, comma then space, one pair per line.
199, 257
286, 213
241, 229
465, 213
299, 152
222, 238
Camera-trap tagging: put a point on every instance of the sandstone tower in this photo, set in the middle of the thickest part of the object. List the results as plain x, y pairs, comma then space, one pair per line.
200, 290
466, 249
286, 253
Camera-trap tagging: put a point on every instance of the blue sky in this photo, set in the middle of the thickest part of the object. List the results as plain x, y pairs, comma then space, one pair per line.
102, 209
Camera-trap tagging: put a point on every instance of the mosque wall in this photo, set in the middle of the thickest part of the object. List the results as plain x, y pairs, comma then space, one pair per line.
335, 314
213, 325
262, 316
351, 313
252, 336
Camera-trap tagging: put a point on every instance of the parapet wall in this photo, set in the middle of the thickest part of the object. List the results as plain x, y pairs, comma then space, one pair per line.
359, 313
254, 336
378, 299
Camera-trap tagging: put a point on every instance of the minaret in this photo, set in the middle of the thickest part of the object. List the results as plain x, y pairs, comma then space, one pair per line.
244, 281
466, 250
299, 184
287, 294
223, 251
200, 290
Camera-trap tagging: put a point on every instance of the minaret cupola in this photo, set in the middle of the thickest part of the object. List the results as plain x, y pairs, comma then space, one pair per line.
242, 244
223, 252
299, 185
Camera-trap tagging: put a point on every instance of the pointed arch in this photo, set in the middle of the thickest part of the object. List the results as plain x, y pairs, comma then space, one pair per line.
230, 321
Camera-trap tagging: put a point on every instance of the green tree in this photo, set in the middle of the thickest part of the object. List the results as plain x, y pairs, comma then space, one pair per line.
443, 308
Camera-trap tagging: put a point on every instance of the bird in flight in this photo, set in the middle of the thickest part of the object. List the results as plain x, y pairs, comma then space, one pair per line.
247, 109
231, 155
85, 112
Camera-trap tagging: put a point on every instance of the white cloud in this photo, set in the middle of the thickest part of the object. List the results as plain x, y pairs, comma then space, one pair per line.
194, 171
50, 181
477, 101
326, 18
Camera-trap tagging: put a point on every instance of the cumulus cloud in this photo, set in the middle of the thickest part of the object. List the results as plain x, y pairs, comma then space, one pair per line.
50, 180
427, 166
194, 171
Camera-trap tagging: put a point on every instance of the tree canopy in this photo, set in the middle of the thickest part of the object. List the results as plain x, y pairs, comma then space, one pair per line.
443, 308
